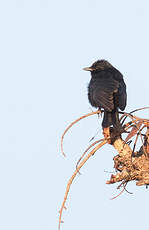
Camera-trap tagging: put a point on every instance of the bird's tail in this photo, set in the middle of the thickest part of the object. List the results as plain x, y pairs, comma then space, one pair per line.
111, 119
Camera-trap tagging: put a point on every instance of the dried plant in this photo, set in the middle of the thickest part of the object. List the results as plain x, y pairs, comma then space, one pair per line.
130, 164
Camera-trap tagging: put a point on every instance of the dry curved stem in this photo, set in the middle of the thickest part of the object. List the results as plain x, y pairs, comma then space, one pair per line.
118, 194
135, 127
140, 134
96, 142
125, 115
73, 123
134, 117
124, 183
134, 146
128, 191
74, 175
138, 123
136, 110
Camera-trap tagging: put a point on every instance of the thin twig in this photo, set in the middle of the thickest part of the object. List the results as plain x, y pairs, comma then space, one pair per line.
118, 194
124, 183
134, 130
135, 117
94, 136
135, 143
74, 175
127, 190
136, 110
144, 150
74, 122
96, 142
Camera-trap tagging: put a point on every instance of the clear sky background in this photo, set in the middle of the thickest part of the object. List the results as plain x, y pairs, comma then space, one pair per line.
43, 47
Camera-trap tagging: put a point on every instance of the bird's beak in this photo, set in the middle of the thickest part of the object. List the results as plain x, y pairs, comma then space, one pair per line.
87, 69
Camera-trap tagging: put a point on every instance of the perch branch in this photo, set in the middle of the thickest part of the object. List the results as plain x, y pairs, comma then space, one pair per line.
131, 167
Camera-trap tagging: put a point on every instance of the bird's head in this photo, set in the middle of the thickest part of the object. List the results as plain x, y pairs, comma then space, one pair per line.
98, 66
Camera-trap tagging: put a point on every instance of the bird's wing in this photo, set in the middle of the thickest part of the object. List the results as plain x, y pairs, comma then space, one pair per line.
103, 93
122, 96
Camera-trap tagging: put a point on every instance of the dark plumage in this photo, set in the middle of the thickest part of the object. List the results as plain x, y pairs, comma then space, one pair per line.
107, 90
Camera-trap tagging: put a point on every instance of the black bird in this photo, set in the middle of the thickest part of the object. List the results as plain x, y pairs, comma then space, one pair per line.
107, 90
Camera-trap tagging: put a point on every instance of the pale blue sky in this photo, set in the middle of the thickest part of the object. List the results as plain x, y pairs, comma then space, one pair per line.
43, 47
